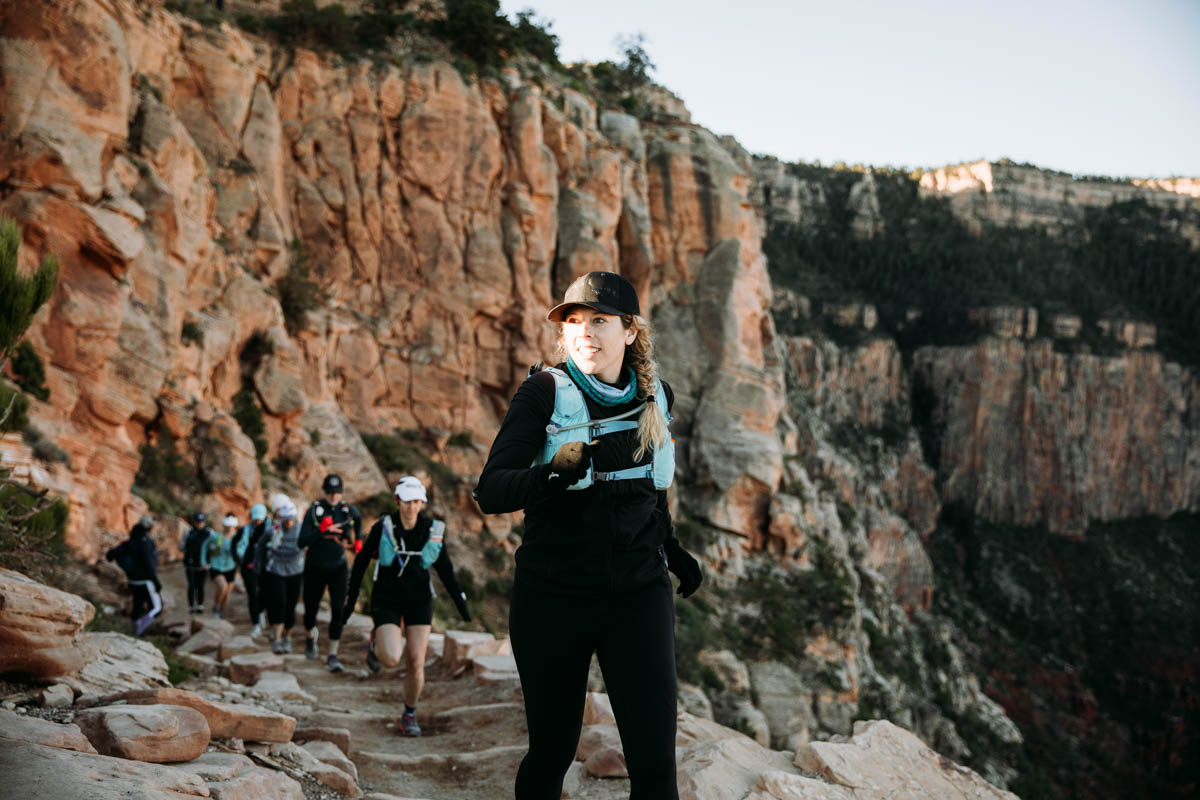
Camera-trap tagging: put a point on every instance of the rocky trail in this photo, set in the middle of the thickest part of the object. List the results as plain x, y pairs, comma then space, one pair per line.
97, 718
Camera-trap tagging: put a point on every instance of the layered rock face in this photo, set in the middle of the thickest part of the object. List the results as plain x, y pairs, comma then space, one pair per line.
180, 174
1026, 435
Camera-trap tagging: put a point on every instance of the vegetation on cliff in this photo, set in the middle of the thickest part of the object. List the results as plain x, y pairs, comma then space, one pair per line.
1126, 260
1091, 645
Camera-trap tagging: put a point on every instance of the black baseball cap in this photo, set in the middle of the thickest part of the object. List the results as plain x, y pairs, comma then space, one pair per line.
607, 292
332, 484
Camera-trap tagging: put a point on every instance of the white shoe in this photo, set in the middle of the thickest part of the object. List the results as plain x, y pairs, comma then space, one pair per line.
256, 631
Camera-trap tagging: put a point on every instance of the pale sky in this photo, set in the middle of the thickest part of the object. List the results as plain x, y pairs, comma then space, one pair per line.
1100, 87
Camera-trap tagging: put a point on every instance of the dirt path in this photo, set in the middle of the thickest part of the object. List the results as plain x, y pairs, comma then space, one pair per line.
474, 733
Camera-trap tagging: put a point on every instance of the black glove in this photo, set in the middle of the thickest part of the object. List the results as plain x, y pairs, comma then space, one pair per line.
460, 603
685, 567
569, 465
157, 585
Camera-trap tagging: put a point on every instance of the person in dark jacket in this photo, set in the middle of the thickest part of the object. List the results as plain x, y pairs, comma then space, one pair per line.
138, 558
194, 546
330, 526
405, 544
585, 450
244, 545
282, 560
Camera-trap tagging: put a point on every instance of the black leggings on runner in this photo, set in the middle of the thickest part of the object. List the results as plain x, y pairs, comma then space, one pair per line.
633, 636
280, 594
195, 585
253, 601
315, 582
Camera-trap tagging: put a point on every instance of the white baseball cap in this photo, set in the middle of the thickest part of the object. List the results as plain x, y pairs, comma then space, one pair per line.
229, 521
278, 500
409, 488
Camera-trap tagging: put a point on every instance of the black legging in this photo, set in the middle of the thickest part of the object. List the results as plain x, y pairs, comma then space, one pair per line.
316, 580
280, 594
195, 586
633, 636
253, 601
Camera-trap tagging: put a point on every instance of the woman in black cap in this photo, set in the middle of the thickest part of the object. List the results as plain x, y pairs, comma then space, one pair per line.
591, 572
330, 525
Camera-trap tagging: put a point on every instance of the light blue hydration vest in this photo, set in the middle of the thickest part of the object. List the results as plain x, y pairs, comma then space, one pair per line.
390, 550
571, 422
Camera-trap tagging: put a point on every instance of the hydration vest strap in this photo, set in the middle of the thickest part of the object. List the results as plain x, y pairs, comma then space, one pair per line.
608, 425
646, 471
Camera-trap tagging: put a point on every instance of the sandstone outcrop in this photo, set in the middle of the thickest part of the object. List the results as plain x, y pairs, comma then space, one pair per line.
155, 733
39, 627
32, 770
225, 720
24, 728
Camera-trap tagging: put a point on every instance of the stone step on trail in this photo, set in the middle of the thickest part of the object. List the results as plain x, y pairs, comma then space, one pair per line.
154, 733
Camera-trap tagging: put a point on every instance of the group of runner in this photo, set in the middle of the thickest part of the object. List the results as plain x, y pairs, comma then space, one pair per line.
281, 556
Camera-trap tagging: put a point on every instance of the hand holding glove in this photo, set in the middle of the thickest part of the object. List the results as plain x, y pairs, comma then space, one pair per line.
685, 567
460, 603
570, 464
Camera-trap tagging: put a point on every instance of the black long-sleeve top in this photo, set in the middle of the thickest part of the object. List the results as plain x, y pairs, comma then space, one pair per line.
327, 550
396, 588
606, 538
249, 555
138, 554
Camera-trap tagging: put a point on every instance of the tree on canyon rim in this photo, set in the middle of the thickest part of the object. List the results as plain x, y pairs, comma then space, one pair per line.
28, 518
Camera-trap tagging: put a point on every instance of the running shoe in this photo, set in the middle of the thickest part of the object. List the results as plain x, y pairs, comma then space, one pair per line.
142, 622
409, 723
256, 630
287, 643
310, 648
277, 646
373, 662
333, 663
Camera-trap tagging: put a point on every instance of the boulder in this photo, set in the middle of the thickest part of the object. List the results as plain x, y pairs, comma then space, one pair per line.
38, 627
600, 751
57, 696
733, 673
321, 772
281, 686
690, 730
238, 645
114, 662
458, 644
338, 736
205, 640
32, 770
225, 720
329, 753
693, 700
496, 664
740, 714
24, 728
230, 776
247, 667
888, 761
157, 733
573, 780
597, 710
726, 768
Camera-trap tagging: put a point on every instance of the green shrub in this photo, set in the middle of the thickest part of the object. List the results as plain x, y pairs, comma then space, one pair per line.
165, 480
20, 295
191, 333
43, 448
250, 417
30, 373
249, 23
298, 293
535, 38
14, 409
314, 436
257, 347
460, 439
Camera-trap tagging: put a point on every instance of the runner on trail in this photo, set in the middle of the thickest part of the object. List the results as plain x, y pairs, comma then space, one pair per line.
586, 451
194, 546
282, 560
330, 526
244, 545
222, 562
138, 559
405, 543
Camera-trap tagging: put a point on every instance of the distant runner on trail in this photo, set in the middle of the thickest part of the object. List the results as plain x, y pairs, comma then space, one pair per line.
194, 546
330, 526
244, 545
586, 451
222, 562
138, 559
282, 560
406, 543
